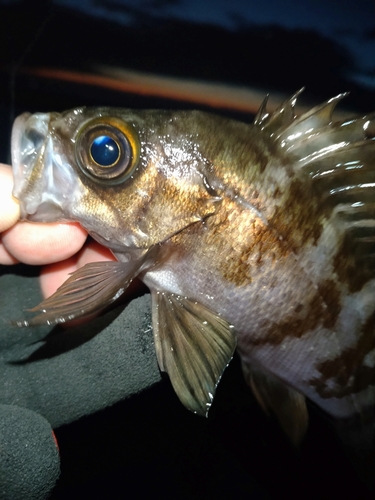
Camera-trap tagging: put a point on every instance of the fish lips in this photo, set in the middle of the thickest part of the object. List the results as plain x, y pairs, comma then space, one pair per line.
44, 182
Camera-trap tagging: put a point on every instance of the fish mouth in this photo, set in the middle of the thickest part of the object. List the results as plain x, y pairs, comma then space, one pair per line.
43, 179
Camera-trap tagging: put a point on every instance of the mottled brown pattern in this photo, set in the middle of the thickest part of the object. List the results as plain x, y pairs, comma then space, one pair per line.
306, 317
354, 264
261, 155
347, 370
331, 296
323, 308
297, 218
239, 244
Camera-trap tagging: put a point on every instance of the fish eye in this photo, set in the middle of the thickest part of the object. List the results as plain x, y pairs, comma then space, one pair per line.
107, 149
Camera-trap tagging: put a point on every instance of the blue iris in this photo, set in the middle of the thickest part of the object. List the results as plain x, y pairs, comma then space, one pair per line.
104, 150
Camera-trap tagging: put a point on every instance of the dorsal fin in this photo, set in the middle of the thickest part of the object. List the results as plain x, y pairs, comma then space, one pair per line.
316, 118
339, 157
262, 114
278, 119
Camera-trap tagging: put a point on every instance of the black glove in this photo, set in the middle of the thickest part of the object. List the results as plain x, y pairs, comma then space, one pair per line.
29, 459
60, 375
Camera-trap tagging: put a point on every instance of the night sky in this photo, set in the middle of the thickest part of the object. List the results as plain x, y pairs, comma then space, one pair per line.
349, 22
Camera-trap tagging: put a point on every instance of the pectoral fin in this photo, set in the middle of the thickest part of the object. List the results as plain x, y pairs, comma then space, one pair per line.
193, 345
90, 289
287, 404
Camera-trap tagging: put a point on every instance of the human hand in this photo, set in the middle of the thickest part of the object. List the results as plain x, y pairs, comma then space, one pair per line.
60, 247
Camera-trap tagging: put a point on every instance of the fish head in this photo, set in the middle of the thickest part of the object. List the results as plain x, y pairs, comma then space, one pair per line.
118, 173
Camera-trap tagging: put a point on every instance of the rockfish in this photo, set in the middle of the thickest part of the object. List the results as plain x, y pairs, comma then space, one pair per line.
258, 237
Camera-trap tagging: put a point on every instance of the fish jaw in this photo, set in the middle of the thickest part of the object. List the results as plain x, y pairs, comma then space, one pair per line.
44, 181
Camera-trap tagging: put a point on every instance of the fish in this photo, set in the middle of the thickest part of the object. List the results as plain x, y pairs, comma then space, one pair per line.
257, 237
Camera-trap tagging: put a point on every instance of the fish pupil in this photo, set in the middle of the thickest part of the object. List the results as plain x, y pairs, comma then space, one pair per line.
104, 150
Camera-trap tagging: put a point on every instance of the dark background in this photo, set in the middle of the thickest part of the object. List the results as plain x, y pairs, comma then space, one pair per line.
149, 444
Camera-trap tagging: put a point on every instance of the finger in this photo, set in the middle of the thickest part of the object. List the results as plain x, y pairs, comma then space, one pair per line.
9, 208
6, 259
54, 275
34, 243
94, 252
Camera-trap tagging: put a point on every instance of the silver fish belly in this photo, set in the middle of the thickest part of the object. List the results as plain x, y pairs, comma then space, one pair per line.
258, 236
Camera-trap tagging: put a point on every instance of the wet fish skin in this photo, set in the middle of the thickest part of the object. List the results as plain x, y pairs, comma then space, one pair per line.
261, 235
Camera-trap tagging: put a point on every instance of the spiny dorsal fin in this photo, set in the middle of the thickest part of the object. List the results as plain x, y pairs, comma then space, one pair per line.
316, 118
193, 345
339, 158
262, 114
343, 179
280, 118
